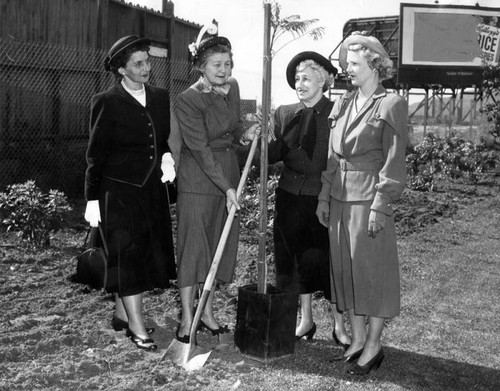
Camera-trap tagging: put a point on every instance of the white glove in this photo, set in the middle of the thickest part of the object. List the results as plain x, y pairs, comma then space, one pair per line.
92, 213
167, 167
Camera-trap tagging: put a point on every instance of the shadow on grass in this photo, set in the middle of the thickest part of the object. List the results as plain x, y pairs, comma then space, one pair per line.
409, 370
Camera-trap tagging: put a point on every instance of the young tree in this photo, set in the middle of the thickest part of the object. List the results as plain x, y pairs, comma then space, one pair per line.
293, 25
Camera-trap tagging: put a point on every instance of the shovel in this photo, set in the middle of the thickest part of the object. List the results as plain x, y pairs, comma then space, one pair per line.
189, 355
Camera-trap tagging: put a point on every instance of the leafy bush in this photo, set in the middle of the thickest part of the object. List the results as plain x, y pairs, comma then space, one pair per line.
491, 86
26, 209
250, 211
449, 158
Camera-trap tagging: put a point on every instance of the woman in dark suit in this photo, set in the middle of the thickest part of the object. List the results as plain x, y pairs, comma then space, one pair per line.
208, 114
301, 247
127, 159
366, 173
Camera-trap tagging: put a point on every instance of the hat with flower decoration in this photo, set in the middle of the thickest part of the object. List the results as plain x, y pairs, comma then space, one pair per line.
203, 43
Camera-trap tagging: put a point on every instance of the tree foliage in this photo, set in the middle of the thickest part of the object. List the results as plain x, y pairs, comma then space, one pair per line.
491, 87
293, 25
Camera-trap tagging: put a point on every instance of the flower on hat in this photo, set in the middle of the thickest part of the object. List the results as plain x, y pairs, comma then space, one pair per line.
193, 48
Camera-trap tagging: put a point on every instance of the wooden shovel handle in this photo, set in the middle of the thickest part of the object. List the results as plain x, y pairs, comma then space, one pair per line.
209, 282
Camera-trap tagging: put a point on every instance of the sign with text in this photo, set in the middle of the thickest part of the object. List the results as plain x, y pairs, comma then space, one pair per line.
447, 44
489, 42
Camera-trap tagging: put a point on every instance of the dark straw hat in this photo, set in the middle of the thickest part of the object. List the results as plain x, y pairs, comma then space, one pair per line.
316, 57
120, 45
208, 43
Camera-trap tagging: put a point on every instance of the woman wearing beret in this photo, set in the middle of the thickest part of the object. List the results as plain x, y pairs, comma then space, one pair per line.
208, 114
128, 158
365, 174
301, 134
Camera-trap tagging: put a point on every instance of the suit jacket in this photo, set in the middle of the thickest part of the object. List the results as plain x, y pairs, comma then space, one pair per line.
300, 174
366, 158
127, 140
209, 125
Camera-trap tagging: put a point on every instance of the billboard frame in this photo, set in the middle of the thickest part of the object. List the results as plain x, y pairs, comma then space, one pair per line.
418, 74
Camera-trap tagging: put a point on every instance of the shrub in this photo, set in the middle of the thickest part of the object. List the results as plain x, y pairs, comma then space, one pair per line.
250, 203
449, 158
26, 209
491, 86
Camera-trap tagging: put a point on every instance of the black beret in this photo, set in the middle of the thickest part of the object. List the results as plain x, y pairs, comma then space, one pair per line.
209, 43
120, 45
318, 58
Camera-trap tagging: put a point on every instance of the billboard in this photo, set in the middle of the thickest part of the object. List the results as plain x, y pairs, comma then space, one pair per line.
447, 44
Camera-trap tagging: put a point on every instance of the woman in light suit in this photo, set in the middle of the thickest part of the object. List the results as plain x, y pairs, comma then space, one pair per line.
208, 114
366, 173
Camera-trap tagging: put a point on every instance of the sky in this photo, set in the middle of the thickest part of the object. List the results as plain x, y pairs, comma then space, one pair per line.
242, 22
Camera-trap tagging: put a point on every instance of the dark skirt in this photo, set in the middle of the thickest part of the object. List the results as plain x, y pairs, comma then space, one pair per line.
301, 245
200, 221
138, 231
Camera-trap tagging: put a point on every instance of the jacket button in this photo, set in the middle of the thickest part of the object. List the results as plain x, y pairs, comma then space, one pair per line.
151, 136
149, 123
151, 157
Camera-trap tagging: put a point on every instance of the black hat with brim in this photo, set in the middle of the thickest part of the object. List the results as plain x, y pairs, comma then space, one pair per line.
209, 43
122, 44
316, 57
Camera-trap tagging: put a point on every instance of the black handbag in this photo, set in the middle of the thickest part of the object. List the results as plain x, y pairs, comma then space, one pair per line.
91, 264
172, 192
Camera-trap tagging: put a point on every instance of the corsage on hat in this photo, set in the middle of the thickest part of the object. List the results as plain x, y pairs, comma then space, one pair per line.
120, 45
357, 37
202, 44
316, 57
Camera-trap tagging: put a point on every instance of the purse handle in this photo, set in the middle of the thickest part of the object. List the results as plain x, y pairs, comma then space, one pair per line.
104, 244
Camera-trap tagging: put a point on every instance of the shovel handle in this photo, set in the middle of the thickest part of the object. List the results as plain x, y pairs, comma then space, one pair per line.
209, 281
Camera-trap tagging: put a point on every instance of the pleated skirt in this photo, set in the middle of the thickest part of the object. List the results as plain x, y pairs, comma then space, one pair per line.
200, 221
364, 270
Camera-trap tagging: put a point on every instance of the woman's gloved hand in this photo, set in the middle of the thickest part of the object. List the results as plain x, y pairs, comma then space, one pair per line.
92, 213
167, 167
376, 223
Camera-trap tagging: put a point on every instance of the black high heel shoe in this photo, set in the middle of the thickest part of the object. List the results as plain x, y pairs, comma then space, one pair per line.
215, 332
344, 346
119, 325
308, 334
374, 363
183, 339
142, 343
349, 358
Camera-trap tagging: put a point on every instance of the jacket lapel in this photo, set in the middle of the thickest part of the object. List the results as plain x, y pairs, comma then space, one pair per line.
379, 92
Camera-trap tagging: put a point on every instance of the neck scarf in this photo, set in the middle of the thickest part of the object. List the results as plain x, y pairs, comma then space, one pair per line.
217, 89
301, 131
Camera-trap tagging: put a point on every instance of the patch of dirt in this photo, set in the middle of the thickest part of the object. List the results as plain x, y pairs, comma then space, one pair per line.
56, 334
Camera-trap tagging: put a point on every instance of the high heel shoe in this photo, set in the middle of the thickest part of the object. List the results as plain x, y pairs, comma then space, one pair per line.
349, 358
120, 324
374, 363
142, 343
345, 346
215, 332
308, 334
183, 339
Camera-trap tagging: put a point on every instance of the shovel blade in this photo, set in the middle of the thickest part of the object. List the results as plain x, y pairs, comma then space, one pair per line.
186, 355
197, 358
